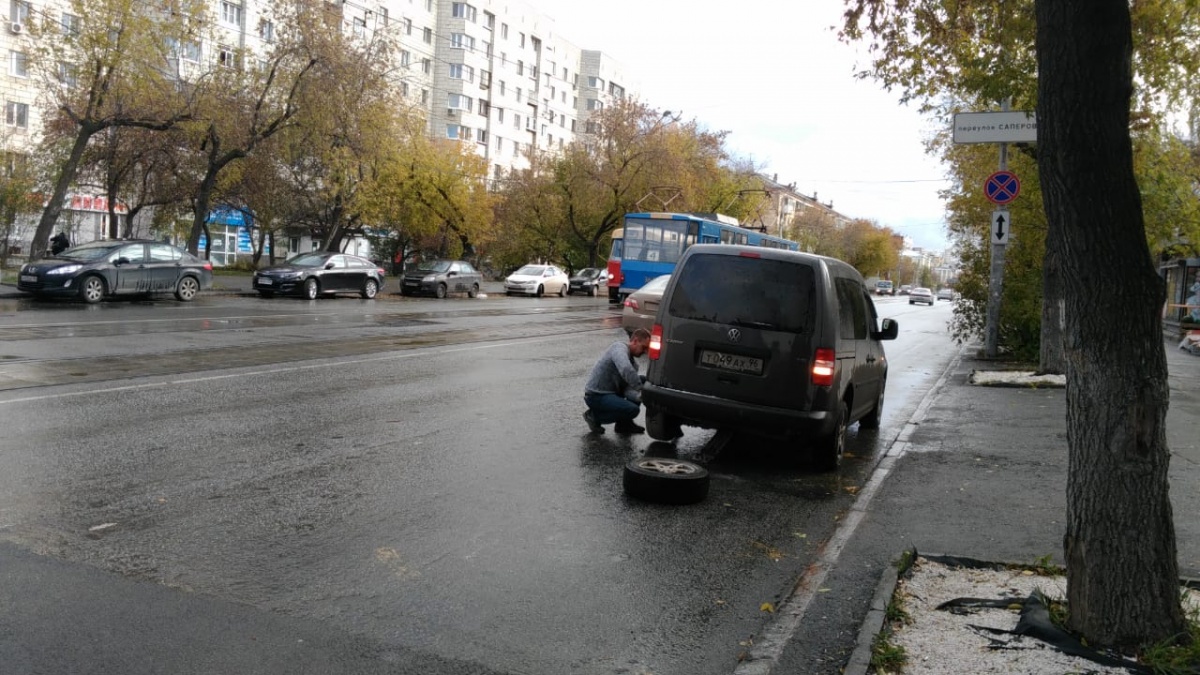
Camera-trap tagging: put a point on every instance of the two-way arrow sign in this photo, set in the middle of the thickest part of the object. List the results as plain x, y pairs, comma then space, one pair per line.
1001, 227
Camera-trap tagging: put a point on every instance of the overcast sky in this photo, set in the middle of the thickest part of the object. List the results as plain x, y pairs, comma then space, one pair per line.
774, 75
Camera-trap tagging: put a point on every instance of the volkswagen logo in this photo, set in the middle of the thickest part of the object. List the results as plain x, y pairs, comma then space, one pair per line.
735, 335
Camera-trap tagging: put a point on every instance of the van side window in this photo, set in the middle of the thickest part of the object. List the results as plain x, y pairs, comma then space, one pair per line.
852, 311
872, 315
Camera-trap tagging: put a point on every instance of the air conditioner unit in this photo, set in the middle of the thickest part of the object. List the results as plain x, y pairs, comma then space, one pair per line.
16, 28
450, 112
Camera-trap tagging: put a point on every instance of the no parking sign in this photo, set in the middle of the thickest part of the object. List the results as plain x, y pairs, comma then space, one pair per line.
1002, 187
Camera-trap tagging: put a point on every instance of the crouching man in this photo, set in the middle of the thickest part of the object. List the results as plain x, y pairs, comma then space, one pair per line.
613, 392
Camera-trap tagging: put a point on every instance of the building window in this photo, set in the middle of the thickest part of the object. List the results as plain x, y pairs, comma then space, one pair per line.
385, 18
485, 79
485, 108
520, 67
68, 74
16, 115
461, 41
522, 39
458, 102
595, 82
572, 126
482, 137
499, 147
426, 65
428, 5
231, 13
404, 89
358, 27
226, 58
502, 87
504, 31
593, 104
461, 10
427, 36
424, 97
519, 94
616, 90
516, 121
405, 58
408, 26
460, 72
452, 130
18, 64
18, 11
70, 24
266, 31
500, 115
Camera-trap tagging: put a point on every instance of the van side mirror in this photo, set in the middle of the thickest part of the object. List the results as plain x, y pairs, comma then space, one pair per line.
888, 330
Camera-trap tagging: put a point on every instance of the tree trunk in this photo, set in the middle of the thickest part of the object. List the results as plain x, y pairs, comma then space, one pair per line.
66, 177
1122, 574
1052, 358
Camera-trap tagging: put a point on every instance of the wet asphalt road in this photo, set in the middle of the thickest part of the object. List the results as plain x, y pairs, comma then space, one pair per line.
412, 475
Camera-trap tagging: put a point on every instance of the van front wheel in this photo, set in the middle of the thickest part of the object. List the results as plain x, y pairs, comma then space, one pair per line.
831, 448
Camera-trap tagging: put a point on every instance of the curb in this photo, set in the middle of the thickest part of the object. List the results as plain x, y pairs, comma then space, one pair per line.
872, 625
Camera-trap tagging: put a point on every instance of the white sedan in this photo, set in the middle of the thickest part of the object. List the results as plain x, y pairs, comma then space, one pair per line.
537, 280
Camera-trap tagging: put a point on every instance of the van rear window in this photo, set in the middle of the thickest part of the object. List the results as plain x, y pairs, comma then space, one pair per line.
740, 291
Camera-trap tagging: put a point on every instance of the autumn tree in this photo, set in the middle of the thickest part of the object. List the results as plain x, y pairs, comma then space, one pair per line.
104, 65
17, 198
1078, 68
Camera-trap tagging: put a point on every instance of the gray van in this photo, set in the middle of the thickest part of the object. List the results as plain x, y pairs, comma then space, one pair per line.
770, 341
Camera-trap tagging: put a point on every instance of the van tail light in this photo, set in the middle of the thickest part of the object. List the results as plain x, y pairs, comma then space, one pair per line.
655, 342
822, 370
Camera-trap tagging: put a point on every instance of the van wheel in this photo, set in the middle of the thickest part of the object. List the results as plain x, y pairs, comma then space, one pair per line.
831, 448
665, 480
661, 426
875, 417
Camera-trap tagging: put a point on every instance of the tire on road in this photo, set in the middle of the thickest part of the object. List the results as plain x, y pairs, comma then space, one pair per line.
312, 288
186, 289
665, 480
92, 289
370, 289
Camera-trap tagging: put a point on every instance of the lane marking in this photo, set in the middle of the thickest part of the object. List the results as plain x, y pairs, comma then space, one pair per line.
408, 354
769, 646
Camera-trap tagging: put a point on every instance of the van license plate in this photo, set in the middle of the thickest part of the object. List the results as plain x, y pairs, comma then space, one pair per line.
733, 362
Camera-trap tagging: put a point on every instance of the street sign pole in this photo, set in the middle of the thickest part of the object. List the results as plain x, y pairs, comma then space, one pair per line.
991, 343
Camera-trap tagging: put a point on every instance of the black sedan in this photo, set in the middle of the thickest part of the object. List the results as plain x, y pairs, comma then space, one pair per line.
109, 267
589, 280
311, 275
440, 278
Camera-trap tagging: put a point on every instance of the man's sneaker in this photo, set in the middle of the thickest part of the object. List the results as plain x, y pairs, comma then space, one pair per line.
592, 423
629, 427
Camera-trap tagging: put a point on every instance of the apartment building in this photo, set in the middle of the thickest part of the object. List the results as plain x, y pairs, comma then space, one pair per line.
493, 74
788, 209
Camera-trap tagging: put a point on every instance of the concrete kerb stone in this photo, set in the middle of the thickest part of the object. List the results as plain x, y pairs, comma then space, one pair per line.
872, 625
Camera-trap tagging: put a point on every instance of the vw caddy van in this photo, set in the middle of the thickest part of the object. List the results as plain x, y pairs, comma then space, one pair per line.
769, 341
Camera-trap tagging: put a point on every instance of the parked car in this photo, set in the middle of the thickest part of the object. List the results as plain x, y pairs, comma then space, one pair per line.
311, 275
440, 278
770, 341
537, 280
923, 295
946, 294
589, 280
100, 269
642, 304
884, 288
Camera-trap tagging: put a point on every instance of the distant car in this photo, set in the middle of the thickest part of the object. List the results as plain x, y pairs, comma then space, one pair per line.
642, 304
589, 280
884, 288
920, 295
440, 278
537, 280
311, 275
100, 269
905, 289
946, 294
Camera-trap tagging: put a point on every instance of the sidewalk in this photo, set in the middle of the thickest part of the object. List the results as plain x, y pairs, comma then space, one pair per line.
984, 477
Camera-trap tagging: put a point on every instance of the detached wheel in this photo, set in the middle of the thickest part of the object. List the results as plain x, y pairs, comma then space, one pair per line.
312, 288
473, 291
831, 448
441, 290
664, 480
186, 289
370, 289
91, 289
875, 417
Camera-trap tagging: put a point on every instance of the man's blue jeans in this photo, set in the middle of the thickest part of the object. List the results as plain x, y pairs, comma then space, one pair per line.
609, 408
